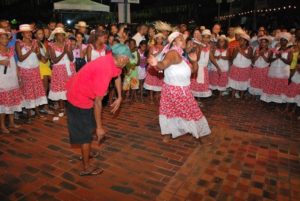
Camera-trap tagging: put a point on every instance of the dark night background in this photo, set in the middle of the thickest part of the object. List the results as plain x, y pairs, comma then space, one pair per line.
203, 12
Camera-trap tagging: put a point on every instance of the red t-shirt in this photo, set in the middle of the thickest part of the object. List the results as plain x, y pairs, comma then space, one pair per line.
91, 81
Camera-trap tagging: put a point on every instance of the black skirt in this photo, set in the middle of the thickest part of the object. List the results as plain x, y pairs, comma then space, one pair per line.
81, 124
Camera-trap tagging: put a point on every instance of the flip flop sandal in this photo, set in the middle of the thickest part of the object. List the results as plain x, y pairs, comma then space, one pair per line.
94, 154
93, 172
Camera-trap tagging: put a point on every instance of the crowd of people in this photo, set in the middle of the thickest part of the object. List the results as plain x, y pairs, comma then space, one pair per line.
54, 70
36, 63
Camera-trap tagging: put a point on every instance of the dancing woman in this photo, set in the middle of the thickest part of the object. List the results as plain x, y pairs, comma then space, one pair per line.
179, 112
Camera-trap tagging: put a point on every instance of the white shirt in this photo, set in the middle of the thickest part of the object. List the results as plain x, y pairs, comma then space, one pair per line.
138, 38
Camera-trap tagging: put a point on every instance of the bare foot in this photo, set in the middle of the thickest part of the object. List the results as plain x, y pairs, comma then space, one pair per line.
5, 130
166, 139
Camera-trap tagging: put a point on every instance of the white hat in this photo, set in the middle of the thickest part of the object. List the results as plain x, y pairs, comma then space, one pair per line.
285, 35
2, 31
245, 36
264, 38
202, 28
239, 30
206, 32
57, 30
159, 35
173, 35
25, 27
81, 24
222, 37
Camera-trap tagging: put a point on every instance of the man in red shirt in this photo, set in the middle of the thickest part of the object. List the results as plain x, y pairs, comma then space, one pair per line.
85, 92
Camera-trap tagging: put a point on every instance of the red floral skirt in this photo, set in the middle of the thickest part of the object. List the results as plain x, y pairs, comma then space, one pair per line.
258, 80
10, 101
60, 77
153, 80
218, 82
200, 89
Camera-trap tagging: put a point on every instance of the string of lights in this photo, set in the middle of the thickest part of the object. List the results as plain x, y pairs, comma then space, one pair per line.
267, 10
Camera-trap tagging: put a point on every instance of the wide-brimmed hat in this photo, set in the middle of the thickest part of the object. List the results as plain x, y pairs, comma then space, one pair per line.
2, 31
173, 35
245, 36
202, 28
206, 32
159, 35
81, 24
267, 38
239, 30
25, 27
285, 35
222, 37
162, 26
57, 30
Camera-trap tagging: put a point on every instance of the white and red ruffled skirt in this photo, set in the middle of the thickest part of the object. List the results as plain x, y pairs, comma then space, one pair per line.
258, 80
201, 90
239, 78
32, 88
59, 80
153, 80
218, 81
11, 101
292, 94
274, 90
180, 114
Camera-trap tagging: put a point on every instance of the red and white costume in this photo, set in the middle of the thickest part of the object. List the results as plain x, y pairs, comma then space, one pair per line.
259, 75
200, 80
154, 78
239, 74
216, 81
61, 73
97, 53
32, 86
10, 93
179, 112
292, 94
277, 82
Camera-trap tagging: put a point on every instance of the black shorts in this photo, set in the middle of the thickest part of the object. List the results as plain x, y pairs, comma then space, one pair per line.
81, 124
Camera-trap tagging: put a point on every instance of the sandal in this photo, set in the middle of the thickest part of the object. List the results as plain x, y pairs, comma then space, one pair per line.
93, 154
92, 172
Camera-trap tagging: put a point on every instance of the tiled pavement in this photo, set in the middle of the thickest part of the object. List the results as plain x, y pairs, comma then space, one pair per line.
255, 156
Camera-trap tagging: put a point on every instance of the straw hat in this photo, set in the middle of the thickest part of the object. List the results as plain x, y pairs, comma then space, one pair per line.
25, 27
245, 36
206, 32
285, 35
222, 37
162, 26
81, 24
267, 38
57, 30
2, 31
202, 28
239, 30
159, 35
173, 35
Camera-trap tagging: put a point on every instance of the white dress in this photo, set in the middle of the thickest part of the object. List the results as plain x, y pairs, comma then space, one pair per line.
179, 112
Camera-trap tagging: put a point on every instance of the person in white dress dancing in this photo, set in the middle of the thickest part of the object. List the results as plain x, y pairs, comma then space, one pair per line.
179, 112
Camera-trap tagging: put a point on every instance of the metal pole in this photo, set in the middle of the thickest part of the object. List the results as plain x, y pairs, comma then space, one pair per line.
229, 19
125, 10
219, 7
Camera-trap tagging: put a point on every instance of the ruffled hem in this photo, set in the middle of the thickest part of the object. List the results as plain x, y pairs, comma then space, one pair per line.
56, 96
30, 104
255, 91
205, 94
152, 88
10, 109
214, 87
272, 98
238, 85
179, 126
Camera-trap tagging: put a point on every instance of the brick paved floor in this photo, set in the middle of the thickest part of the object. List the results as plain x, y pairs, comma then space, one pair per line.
255, 157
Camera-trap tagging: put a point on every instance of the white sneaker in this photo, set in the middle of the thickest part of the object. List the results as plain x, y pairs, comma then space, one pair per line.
236, 95
225, 93
61, 114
